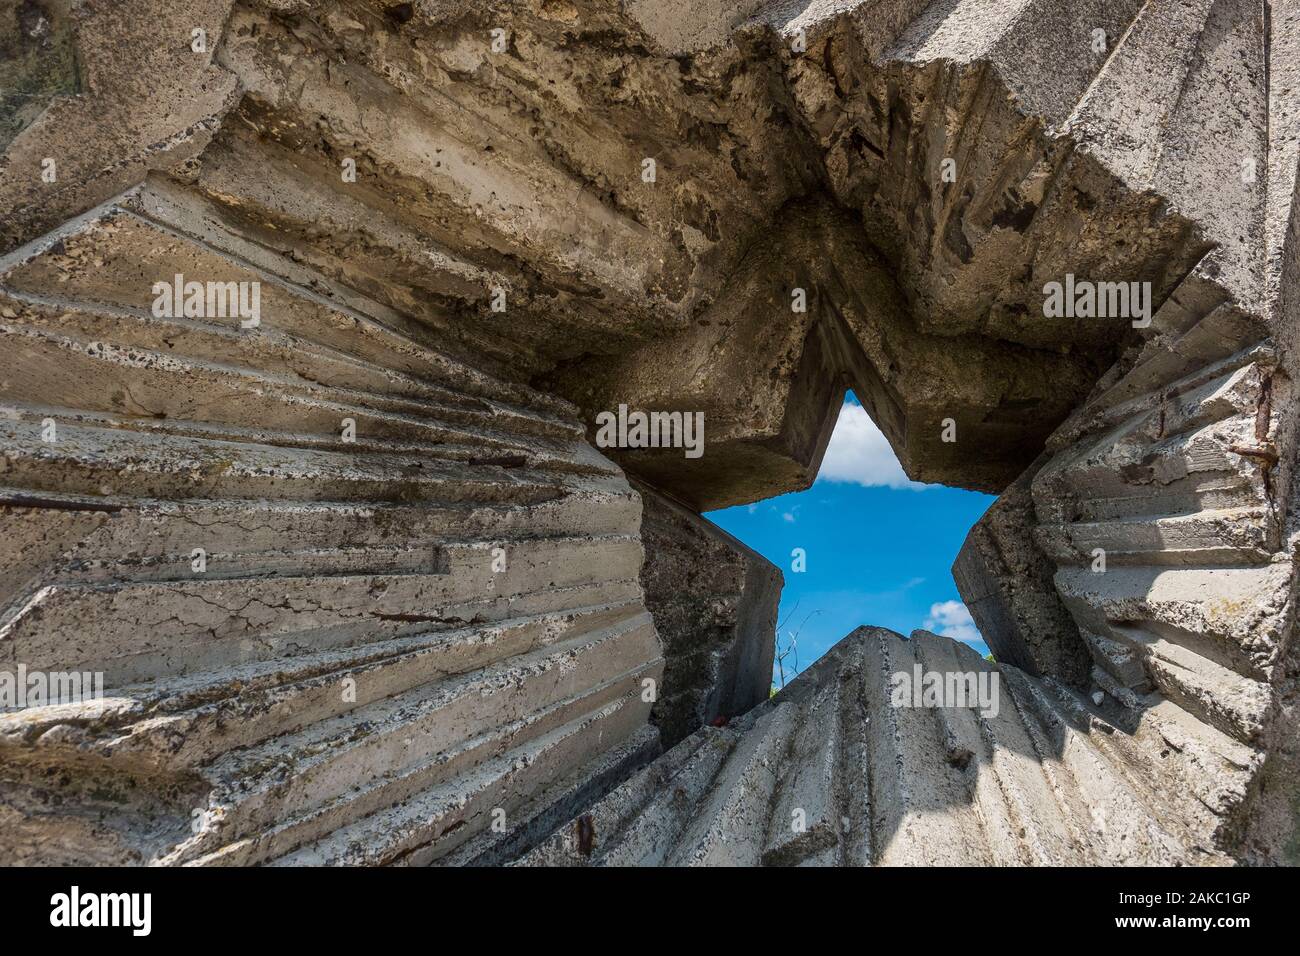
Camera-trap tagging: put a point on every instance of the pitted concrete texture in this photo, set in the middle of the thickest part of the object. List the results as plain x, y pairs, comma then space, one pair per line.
714, 604
1005, 580
390, 639
143, 99
359, 582
521, 171
38, 62
831, 772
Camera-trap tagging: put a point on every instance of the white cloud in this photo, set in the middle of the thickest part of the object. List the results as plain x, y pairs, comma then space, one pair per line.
860, 454
788, 517
951, 619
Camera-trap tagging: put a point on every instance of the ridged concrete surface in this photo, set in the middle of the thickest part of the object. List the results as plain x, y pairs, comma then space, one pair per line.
1167, 154
831, 772
391, 638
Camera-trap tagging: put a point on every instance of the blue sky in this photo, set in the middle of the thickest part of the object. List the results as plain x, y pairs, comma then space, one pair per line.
879, 548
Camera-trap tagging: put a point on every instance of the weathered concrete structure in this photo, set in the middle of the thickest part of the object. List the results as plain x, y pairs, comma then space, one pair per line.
714, 604
830, 772
363, 589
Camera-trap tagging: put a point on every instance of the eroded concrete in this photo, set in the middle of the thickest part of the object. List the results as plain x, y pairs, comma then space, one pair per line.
447, 613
